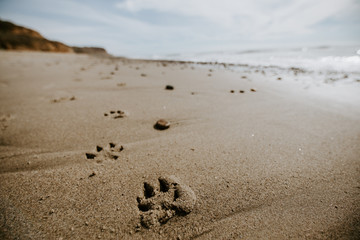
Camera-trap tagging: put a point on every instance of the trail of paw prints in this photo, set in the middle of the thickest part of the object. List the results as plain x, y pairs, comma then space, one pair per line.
160, 203
116, 114
110, 152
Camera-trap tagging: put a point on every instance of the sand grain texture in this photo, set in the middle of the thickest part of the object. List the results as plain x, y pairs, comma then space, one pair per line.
278, 163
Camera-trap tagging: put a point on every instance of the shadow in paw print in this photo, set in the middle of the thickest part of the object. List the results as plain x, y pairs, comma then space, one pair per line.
111, 151
169, 199
117, 114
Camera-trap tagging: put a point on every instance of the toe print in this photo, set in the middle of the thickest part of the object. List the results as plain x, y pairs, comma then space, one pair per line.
169, 199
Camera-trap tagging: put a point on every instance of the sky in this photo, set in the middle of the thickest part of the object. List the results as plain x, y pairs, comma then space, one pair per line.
150, 28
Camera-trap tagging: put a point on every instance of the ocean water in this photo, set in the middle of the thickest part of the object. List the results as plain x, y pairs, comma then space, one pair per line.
328, 64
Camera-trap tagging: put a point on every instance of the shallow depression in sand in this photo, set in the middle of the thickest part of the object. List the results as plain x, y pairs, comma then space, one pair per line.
168, 199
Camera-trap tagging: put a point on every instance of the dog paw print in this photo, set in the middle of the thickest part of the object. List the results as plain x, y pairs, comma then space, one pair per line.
117, 114
160, 203
111, 151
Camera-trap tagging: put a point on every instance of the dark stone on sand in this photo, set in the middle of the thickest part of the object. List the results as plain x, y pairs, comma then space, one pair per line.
112, 112
241, 91
279, 78
162, 124
232, 91
253, 89
143, 75
105, 114
169, 87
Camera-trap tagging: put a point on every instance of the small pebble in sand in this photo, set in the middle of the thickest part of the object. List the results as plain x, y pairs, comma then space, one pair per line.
232, 91
162, 124
244, 77
279, 78
105, 114
52, 211
72, 98
92, 174
43, 198
209, 74
143, 75
253, 89
169, 87
241, 91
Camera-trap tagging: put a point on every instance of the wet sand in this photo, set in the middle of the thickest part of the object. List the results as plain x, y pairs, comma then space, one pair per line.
81, 158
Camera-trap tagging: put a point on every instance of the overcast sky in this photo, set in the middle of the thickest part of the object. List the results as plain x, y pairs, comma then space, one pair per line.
136, 28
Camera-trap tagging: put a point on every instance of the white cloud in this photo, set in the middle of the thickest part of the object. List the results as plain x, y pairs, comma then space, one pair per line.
276, 16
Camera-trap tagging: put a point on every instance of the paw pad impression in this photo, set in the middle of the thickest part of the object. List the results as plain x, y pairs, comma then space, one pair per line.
169, 199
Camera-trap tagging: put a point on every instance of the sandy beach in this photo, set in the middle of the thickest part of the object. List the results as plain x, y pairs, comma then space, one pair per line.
80, 157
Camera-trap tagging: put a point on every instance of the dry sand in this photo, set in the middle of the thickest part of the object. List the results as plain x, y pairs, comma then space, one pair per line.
281, 162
